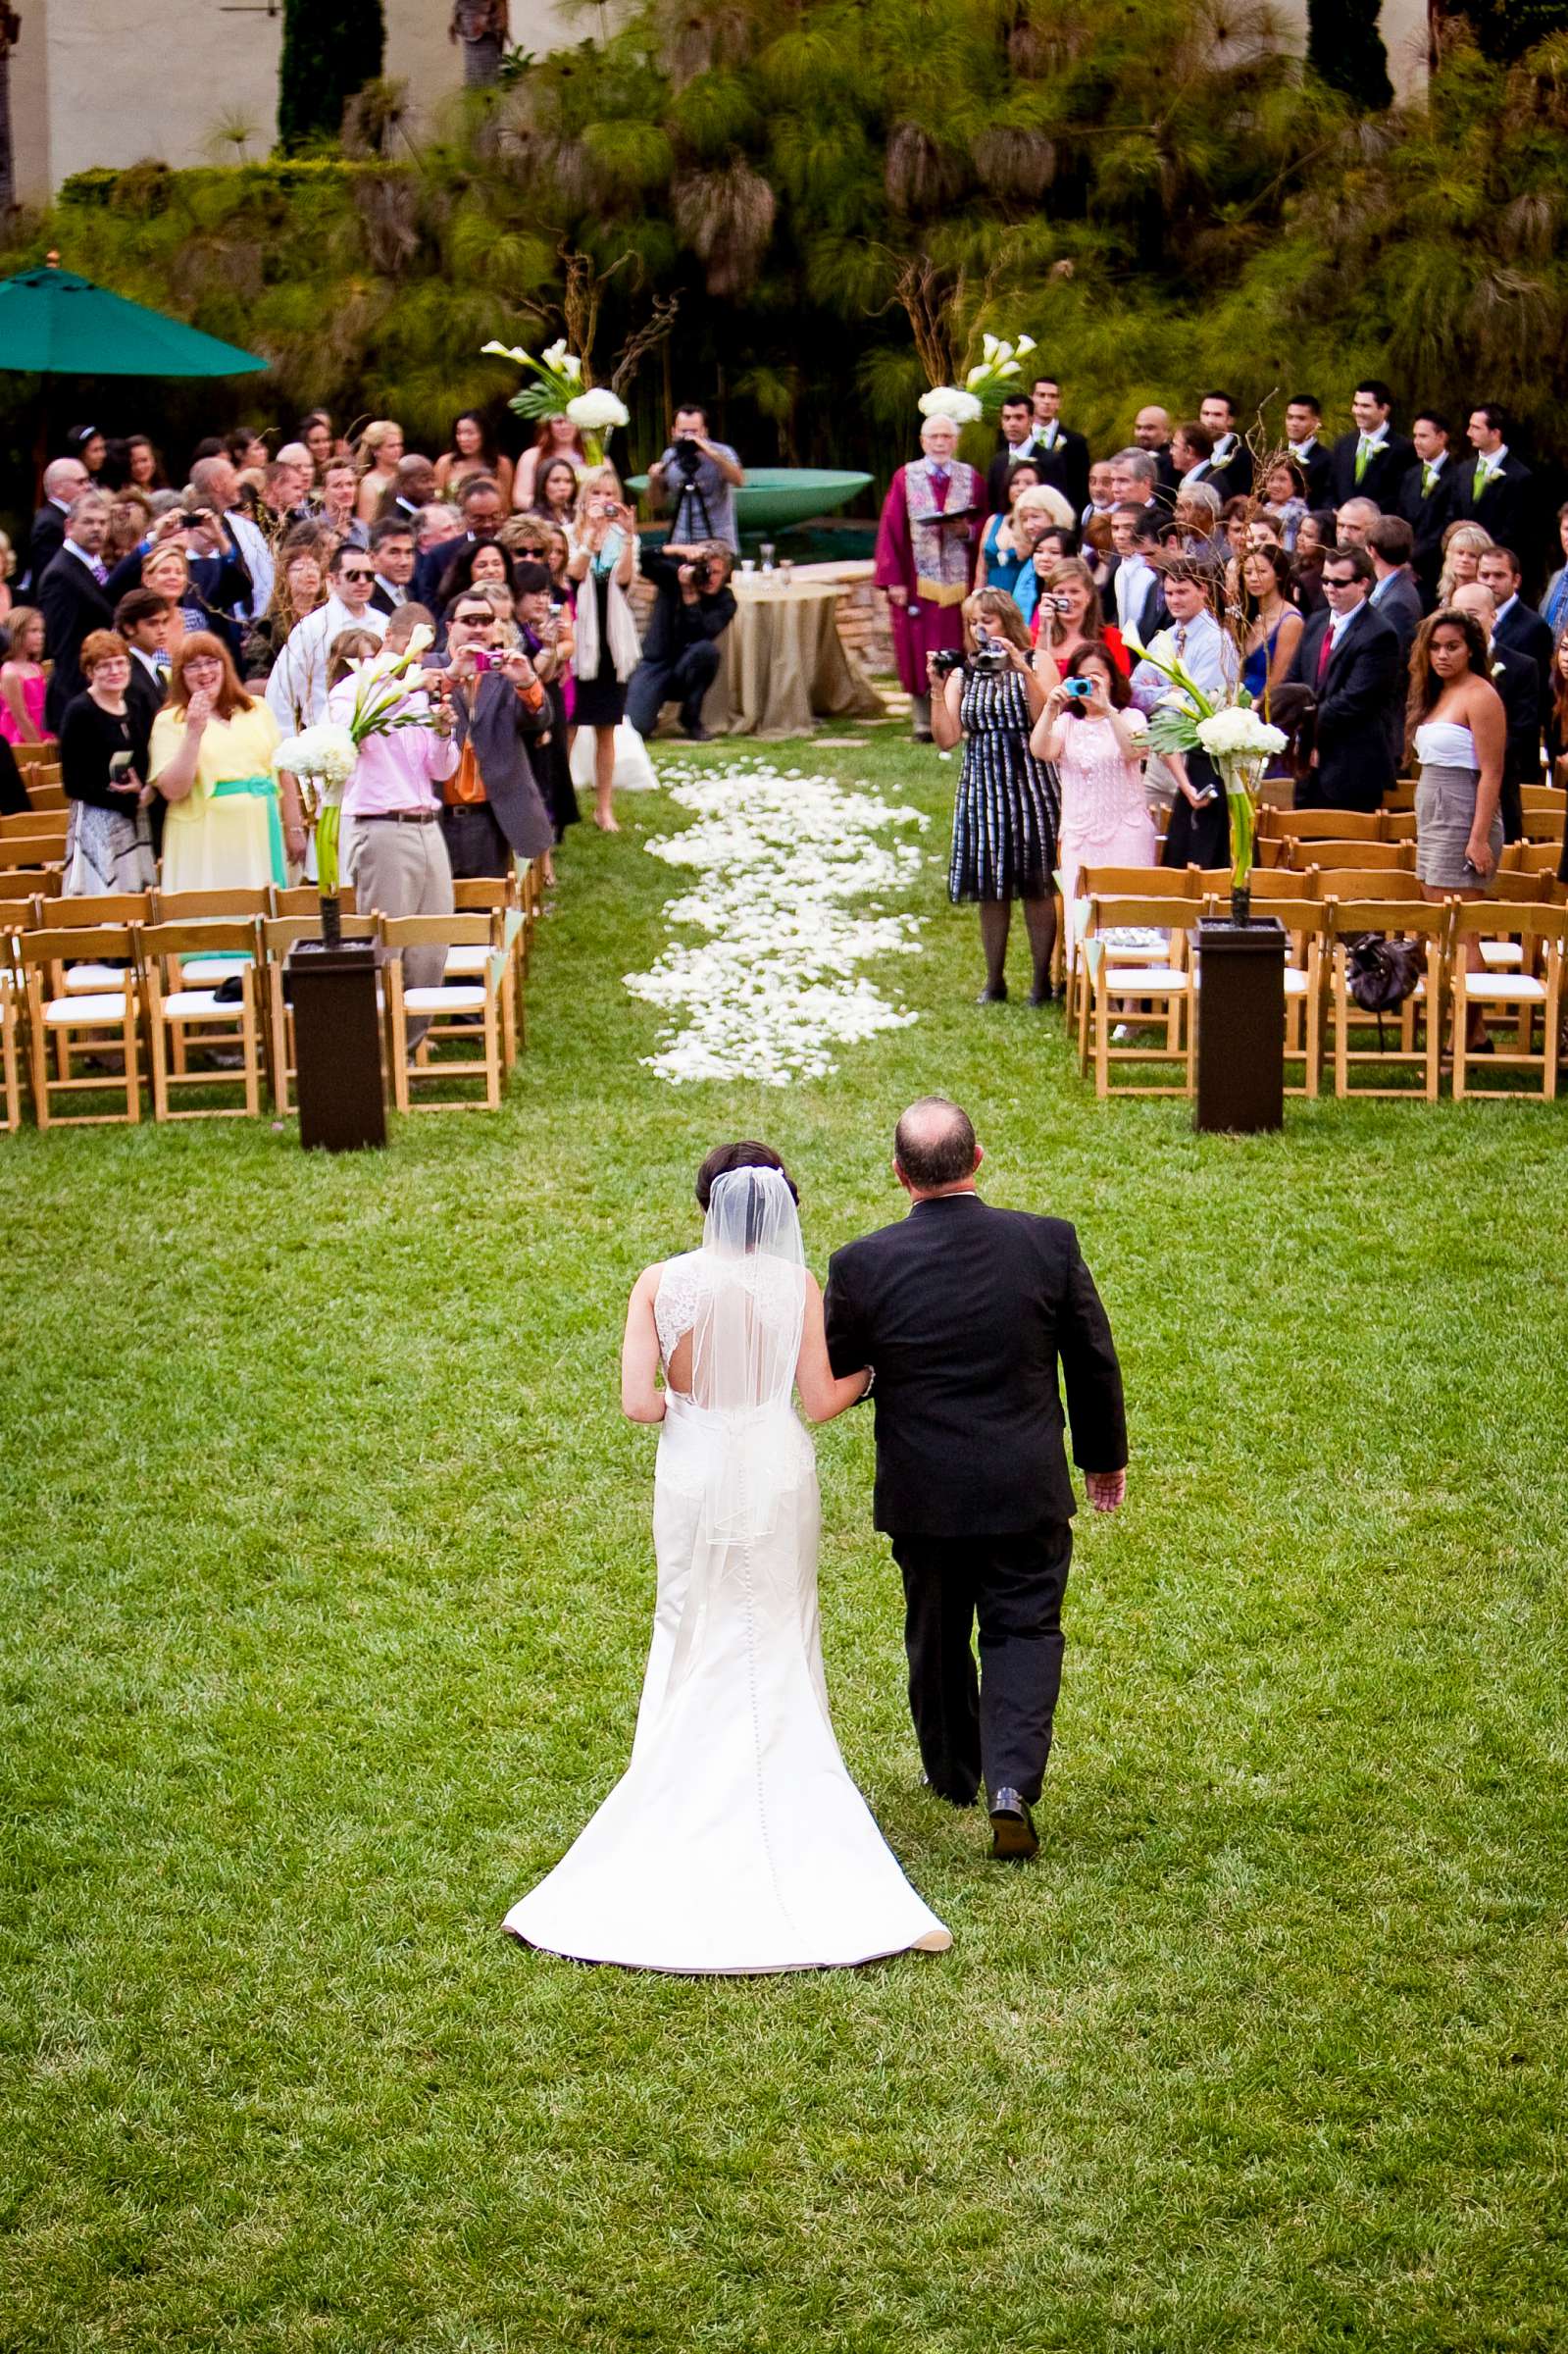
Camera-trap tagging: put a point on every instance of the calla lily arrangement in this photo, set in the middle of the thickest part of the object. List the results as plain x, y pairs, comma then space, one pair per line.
323, 757
992, 375
562, 388
1240, 744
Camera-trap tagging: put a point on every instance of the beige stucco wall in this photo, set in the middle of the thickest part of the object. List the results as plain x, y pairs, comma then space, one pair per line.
110, 81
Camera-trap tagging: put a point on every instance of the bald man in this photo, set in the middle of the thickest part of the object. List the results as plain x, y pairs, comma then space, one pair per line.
966, 1314
1151, 431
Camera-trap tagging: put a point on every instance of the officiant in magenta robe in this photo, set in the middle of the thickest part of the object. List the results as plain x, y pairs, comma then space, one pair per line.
925, 546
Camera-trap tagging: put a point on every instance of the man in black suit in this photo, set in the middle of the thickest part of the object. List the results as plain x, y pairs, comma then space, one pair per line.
1229, 459
1349, 657
1061, 455
1521, 630
1134, 594
1517, 681
392, 556
72, 600
1374, 460
64, 481
1017, 418
1151, 434
695, 604
1492, 487
142, 618
1425, 497
483, 517
1303, 423
963, 1313
1390, 543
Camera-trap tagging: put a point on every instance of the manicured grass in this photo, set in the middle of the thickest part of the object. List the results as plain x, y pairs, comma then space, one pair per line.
326, 1579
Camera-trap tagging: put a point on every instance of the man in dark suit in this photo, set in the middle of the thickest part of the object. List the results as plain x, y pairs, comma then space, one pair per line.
1425, 497
1061, 455
482, 518
964, 1315
1349, 657
392, 556
1303, 423
1229, 459
1390, 543
1492, 487
1151, 434
1017, 418
142, 618
1133, 591
1522, 631
72, 600
64, 481
695, 605
1518, 682
1374, 460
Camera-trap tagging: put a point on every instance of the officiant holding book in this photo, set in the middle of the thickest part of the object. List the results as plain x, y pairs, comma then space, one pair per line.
926, 545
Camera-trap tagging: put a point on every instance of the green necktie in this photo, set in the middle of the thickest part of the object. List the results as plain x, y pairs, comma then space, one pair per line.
1361, 457
1428, 475
1482, 471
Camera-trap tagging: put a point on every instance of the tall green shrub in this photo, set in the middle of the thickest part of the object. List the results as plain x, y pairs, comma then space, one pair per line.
329, 53
1345, 49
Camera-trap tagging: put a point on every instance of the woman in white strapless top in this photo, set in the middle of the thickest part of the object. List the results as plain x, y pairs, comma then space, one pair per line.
1459, 732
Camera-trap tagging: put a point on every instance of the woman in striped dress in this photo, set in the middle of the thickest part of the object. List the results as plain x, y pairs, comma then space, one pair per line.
1008, 804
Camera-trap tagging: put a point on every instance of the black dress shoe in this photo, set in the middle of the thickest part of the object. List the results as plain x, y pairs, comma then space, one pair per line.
949, 1798
1014, 1836
992, 996
697, 735
924, 736
1042, 993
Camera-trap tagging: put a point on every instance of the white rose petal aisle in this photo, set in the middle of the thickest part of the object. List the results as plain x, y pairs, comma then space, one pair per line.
793, 878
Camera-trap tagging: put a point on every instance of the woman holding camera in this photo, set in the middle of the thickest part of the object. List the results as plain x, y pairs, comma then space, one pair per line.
1093, 737
605, 562
1004, 816
103, 768
1071, 617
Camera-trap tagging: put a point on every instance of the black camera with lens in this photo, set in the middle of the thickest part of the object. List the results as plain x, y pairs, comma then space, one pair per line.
946, 662
687, 457
990, 658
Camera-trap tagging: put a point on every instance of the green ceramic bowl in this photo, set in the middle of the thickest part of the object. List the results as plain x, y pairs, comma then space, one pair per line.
777, 496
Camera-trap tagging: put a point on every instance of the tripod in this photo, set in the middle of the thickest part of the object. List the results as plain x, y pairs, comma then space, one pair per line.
691, 488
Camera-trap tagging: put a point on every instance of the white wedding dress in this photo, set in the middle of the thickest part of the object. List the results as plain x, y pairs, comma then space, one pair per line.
736, 1842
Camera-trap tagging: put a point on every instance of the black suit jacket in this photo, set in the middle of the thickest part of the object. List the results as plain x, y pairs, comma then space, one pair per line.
998, 472
1503, 508
1523, 630
1386, 469
1429, 514
1318, 468
674, 625
1400, 606
1232, 475
44, 542
73, 606
144, 699
1065, 466
1149, 618
1520, 688
431, 567
1352, 731
966, 1312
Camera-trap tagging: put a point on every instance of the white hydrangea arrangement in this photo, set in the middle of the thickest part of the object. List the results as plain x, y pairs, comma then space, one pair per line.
948, 400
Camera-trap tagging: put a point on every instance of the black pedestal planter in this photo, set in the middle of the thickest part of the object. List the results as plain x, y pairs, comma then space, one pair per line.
337, 1044
1240, 1026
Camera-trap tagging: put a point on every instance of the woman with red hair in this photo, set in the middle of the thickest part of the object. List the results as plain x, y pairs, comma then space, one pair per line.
230, 825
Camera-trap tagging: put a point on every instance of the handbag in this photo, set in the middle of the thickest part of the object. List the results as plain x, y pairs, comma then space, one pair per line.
1381, 973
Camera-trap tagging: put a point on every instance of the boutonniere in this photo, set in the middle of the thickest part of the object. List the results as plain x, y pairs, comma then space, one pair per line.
1500, 669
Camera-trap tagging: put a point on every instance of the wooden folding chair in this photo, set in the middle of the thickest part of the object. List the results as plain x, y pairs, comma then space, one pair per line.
10, 1069
20, 889
176, 1012
305, 899
475, 1005
1119, 989
237, 905
471, 895
1398, 825
1320, 825
1541, 858
1401, 918
1370, 856
1533, 989
279, 935
1368, 883
103, 1022
23, 824
31, 850
48, 799
1139, 882
115, 907
1400, 795
1306, 927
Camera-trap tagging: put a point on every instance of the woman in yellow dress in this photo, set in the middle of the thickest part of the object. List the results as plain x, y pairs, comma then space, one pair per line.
230, 824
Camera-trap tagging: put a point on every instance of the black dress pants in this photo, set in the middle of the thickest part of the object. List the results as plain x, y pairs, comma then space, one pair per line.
993, 1730
474, 843
685, 680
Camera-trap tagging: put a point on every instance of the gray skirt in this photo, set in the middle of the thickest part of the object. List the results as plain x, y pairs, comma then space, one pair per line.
1445, 811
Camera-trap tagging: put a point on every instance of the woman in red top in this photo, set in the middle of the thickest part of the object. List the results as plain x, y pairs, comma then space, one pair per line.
1068, 617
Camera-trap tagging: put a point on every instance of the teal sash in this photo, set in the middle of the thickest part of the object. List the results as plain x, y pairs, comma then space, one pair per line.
261, 788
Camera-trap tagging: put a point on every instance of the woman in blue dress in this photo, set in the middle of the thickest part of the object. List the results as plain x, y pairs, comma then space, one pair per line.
1004, 554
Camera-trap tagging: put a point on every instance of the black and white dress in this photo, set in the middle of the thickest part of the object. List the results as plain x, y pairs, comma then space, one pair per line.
1008, 807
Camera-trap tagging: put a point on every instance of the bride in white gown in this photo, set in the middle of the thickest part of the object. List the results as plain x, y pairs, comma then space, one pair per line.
736, 1842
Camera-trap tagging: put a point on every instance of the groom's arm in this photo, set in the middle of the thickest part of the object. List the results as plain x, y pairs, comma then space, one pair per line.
847, 1352
1095, 1405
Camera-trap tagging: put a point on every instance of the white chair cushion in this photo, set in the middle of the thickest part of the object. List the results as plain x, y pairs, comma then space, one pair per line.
199, 1005
1501, 951
465, 960
1506, 989
462, 999
87, 1011
1295, 981
90, 980
1148, 980
213, 969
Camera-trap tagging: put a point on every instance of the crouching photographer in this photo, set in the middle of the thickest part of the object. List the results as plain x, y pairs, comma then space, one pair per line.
680, 647
1005, 814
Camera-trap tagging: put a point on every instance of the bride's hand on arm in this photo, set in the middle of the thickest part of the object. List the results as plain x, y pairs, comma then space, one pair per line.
822, 1393
641, 1398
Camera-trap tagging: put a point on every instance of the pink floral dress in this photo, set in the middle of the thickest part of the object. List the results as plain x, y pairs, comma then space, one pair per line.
1105, 812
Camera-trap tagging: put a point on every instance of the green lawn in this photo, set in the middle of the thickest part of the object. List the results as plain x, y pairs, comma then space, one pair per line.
325, 1586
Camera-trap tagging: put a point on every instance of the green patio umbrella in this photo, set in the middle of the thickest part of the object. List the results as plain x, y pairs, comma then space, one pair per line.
53, 322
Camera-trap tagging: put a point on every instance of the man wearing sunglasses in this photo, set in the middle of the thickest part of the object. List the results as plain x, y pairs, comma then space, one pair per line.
296, 691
